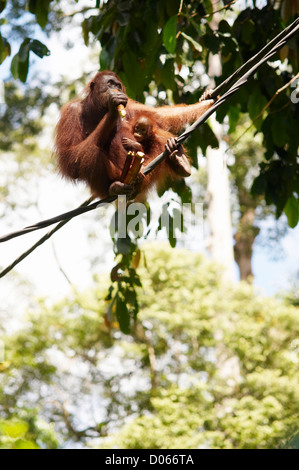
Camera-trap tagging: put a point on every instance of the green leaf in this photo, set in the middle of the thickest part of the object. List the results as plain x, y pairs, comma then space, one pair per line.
2, 5
39, 48
23, 69
291, 210
85, 31
279, 130
134, 74
24, 50
257, 102
212, 43
134, 277
20, 63
207, 137
14, 66
122, 314
124, 245
259, 185
197, 26
224, 27
108, 297
183, 190
168, 223
40, 8
131, 298
208, 7
168, 74
247, 31
233, 117
171, 236
169, 34
105, 59
194, 43
4, 49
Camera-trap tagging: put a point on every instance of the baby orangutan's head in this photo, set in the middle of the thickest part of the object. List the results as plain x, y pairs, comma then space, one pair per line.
143, 128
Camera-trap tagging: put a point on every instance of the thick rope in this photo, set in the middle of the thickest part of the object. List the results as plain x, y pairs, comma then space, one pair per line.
248, 70
40, 241
285, 34
65, 216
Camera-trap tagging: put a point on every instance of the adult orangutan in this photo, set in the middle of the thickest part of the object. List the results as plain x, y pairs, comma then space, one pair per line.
89, 137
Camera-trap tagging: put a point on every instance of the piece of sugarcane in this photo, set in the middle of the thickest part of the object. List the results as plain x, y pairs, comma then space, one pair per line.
127, 165
121, 109
135, 168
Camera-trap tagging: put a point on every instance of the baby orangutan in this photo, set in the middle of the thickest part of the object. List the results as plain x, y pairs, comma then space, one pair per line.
151, 139
142, 136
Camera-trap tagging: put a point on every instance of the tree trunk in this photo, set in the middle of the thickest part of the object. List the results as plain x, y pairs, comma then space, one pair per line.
219, 216
245, 237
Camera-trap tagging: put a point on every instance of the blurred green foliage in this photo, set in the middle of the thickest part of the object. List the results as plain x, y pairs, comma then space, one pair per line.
207, 365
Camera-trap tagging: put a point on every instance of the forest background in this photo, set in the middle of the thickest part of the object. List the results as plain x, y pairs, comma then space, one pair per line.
208, 362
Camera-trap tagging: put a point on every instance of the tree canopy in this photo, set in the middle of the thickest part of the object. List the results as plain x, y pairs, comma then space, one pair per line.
207, 365
166, 41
